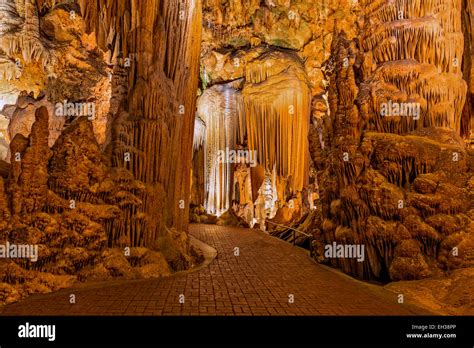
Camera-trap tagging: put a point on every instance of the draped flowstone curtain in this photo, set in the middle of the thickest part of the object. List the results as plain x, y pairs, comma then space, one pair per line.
153, 131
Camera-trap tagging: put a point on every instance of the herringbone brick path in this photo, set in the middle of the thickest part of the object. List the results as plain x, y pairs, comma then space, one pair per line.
262, 280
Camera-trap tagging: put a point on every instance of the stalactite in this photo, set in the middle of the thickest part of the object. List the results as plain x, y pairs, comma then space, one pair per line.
277, 108
161, 38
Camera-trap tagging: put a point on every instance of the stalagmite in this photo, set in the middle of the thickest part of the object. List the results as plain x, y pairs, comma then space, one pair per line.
28, 182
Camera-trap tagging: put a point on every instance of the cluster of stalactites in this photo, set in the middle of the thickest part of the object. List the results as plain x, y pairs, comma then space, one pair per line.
277, 101
270, 118
161, 40
125, 29
448, 12
417, 46
112, 21
437, 97
428, 31
20, 33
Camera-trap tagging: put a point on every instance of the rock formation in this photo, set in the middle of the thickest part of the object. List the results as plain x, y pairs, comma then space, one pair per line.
393, 173
388, 124
351, 121
84, 182
218, 120
272, 54
156, 124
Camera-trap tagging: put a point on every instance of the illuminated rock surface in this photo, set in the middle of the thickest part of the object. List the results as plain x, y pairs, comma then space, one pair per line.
351, 121
400, 184
80, 188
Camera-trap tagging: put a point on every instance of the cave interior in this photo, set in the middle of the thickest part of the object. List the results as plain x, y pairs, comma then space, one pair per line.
315, 121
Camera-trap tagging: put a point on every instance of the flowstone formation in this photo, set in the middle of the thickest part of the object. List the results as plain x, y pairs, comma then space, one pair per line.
45, 52
218, 121
398, 175
79, 177
154, 124
261, 73
337, 122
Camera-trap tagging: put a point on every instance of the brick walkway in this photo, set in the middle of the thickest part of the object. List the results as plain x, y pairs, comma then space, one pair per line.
260, 281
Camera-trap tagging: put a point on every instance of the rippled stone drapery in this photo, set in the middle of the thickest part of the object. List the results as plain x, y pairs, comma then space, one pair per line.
277, 104
218, 115
161, 39
270, 118
418, 58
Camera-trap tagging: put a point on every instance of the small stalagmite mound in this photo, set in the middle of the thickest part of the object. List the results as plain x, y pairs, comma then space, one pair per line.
64, 200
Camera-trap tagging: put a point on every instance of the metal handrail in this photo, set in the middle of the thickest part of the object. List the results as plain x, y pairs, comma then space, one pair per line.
311, 251
290, 228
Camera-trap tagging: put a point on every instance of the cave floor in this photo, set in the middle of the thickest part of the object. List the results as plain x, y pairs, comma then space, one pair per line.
261, 280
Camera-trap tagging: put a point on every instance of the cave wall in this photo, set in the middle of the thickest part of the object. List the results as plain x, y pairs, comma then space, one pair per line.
46, 58
154, 124
274, 52
400, 184
67, 187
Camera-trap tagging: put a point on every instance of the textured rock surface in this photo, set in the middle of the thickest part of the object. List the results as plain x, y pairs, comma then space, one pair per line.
157, 121
452, 295
389, 180
272, 53
68, 188
45, 55
63, 199
359, 114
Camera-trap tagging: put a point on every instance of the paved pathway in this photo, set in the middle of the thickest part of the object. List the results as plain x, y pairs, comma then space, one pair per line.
262, 280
